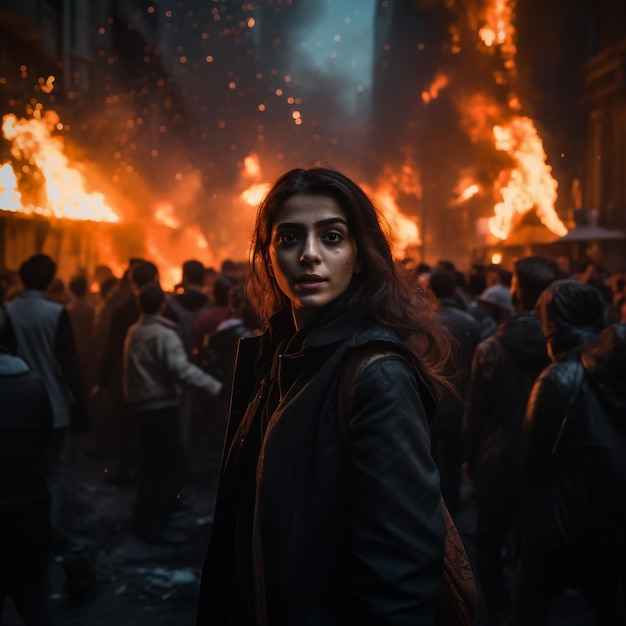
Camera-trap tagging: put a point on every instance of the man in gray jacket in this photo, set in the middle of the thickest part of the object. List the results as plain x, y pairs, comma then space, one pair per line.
45, 341
156, 367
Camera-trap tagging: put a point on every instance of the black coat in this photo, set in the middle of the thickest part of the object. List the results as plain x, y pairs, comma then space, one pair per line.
25, 429
504, 369
311, 526
576, 469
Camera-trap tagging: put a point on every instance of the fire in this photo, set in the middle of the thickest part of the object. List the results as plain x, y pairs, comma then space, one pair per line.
499, 30
440, 82
529, 184
164, 214
252, 165
62, 188
256, 191
174, 241
404, 229
466, 191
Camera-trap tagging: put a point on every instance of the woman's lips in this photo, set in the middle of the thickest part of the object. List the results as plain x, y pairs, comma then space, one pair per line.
310, 281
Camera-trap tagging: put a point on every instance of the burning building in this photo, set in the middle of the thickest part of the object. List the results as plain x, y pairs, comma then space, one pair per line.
178, 114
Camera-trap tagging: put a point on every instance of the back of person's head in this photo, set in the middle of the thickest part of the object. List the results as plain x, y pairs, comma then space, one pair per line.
476, 283
506, 277
143, 273
37, 272
444, 265
532, 275
442, 284
571, 314
239, 306
102, 272
459, 279
423, 268
151, 298
107, 285
221, 287
193, 273
78, 286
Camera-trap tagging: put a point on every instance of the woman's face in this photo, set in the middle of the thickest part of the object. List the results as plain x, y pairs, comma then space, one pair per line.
312, 253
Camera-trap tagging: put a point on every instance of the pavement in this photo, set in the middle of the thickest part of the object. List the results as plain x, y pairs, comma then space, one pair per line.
107, 577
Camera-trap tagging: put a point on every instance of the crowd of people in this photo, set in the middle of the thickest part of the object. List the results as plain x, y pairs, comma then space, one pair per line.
510, 383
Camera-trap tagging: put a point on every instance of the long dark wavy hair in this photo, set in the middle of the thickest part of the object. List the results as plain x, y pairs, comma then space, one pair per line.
383, 291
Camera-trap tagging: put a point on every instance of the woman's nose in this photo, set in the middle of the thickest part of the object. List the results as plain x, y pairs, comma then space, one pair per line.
310, 251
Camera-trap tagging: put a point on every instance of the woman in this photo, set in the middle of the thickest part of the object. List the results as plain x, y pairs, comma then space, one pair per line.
574, 457
316, 523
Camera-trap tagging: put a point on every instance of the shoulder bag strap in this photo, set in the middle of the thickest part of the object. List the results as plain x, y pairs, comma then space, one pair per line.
572, 396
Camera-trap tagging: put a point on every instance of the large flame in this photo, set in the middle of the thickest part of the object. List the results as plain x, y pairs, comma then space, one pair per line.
499, 30
529, 185
62, 187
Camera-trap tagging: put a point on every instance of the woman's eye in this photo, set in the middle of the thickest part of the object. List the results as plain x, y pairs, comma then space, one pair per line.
333, 237
286, 238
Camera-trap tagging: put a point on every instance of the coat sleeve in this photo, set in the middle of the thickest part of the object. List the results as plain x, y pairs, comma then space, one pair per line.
183, 370
397, 527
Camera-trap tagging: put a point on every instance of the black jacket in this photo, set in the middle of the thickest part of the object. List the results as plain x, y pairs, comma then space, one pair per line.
310, 528
575, 469
504, 369
25, 429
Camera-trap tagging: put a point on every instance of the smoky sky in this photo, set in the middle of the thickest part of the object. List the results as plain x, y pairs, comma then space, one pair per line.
184, 90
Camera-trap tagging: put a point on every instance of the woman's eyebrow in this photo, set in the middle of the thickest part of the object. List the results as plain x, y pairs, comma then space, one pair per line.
324, 222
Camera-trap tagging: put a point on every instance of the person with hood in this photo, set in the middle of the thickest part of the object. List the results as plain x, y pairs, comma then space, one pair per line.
324, 516
504, 368
574, 462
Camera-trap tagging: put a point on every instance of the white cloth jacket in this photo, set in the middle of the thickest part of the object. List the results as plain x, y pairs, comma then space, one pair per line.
156, 365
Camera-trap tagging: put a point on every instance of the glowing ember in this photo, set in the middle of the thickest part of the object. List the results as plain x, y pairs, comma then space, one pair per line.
257, 190
469, 192
252, 165
62, 190
529, 184
440, 81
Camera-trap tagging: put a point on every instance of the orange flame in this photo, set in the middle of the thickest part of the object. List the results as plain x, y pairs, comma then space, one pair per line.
529, 184
404, 229
164, 214
499, 30
439, 82
255, 193
467, 191
63, 187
